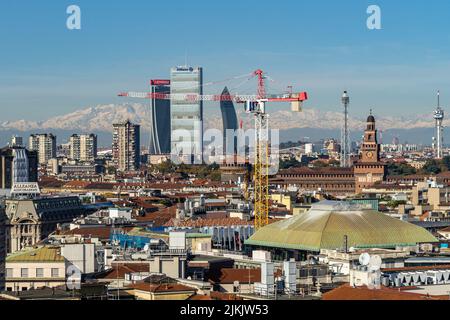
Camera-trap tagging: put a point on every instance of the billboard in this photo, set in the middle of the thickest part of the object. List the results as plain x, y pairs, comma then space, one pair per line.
25, 188
159, 82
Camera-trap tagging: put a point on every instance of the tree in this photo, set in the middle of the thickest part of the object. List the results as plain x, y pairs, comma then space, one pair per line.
166, 167
446, 162
165, 202
432, 167
286, 164
395, 203
215, 176
334, 163
111, 170
320, 164
400, 169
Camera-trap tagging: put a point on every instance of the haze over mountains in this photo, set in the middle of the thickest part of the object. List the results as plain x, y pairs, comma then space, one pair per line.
311, 123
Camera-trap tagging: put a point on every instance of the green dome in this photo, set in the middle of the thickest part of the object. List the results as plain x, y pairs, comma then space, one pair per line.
326, 224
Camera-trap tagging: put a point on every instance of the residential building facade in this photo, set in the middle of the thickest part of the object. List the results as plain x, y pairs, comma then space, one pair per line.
44, 145
16, 141
126, 146
35, 268
83, 147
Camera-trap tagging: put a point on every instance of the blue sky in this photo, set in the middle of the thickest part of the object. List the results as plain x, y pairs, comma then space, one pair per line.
320, 46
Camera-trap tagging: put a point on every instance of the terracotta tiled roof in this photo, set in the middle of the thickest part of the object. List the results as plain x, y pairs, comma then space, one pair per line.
345, 292
200, 297
224, 296
417, 268
159, 288
198, 223
216, 204
146, 204
326, 170
123, 203
445, 229
103, 233
101, 186
167, 185
51, 183
200, 182
392, 186
229, 276
77, 184
120, 270
161, 217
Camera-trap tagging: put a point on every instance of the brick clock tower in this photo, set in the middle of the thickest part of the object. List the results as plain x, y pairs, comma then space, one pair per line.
369, 170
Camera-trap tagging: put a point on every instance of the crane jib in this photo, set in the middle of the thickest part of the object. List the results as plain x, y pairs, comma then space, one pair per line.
196, 97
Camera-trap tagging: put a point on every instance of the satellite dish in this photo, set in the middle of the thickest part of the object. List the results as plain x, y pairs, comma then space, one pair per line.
375, 263
364, 259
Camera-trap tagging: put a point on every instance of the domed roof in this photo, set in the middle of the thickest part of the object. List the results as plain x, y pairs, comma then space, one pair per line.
371, 118
326, 224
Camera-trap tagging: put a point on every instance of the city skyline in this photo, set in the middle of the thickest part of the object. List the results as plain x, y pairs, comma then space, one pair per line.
386, 69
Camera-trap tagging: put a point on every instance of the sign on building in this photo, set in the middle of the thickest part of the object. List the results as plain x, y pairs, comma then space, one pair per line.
25, 189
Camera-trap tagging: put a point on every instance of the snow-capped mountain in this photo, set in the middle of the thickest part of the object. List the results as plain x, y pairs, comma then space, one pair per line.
101, 118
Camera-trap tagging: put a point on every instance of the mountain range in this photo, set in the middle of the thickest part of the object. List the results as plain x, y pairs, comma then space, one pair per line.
293, 126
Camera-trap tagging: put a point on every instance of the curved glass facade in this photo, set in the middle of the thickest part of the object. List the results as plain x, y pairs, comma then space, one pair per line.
160, 123
230, 122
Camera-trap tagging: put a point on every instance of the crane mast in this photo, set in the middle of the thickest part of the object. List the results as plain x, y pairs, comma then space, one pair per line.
262, 163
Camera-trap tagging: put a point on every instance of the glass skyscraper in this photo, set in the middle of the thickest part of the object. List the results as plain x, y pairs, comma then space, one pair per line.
186, 114
160, 119
230, 122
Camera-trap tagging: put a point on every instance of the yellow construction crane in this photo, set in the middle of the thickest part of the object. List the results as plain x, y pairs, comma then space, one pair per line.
262, 154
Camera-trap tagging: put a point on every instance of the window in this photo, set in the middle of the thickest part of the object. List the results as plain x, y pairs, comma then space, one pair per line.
39, 273
55, 272
24, 273
9, 273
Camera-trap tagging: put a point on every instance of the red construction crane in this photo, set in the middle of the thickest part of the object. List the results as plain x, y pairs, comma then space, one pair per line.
284, 97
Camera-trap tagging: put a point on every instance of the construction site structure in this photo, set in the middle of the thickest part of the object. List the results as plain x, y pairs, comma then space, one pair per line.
256, 105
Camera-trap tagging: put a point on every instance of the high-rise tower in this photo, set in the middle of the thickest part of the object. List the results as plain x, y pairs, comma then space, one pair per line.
45, 145
230, 122
159, 119
83, 147
186, 114
126, 146
439, 118
345, 140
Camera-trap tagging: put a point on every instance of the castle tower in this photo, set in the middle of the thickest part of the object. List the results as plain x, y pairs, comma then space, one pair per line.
369, 170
